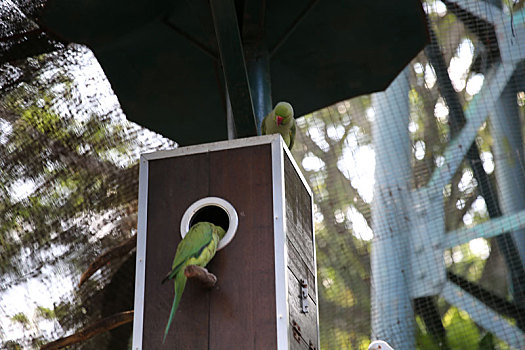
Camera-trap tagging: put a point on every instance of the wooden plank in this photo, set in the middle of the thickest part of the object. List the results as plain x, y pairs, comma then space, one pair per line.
307, 321
298, 215
294, 344
301, 262
299, 269
174, 184
242, 307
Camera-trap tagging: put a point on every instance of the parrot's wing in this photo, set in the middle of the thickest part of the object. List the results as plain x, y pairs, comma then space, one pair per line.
292, 134
198, 238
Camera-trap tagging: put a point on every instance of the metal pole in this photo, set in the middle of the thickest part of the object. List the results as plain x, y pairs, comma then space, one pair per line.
510, 177
392, 312
234, 65
257, 59
258, 68
230, 122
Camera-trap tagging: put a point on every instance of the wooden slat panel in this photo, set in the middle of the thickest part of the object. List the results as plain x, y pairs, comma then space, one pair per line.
300, 270
242, 314
301, 262
174, 184
294, 344
298, 215
307, 321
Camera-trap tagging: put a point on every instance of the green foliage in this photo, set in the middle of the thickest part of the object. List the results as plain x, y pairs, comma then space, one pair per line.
45, 313
69, 163
63, 167
462, 332
342, 258
425, 341
487, 342
11, 345
20, 318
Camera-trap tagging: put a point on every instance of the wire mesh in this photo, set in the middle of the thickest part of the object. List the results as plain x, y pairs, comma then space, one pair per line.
418, 192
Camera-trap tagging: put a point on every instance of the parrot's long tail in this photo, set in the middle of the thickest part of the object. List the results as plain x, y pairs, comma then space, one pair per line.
180, 283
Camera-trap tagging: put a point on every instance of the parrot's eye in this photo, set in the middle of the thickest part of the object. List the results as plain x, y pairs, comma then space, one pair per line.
379, 346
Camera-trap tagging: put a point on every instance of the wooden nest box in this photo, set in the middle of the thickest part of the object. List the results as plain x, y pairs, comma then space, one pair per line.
265, 296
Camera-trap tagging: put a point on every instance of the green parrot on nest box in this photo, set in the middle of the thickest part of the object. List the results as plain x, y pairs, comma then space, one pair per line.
196, 248
280, 121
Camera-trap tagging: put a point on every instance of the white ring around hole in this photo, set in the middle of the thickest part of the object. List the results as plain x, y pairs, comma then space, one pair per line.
217, 202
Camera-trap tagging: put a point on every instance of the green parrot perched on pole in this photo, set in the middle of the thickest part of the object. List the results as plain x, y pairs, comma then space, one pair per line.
196, 248
280, 120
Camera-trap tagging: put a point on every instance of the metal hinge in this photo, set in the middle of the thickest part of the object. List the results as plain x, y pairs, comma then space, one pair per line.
304, 296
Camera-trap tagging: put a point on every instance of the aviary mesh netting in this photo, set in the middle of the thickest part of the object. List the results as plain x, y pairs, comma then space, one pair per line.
419, 191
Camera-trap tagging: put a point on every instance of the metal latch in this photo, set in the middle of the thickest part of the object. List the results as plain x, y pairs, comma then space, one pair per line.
304, 296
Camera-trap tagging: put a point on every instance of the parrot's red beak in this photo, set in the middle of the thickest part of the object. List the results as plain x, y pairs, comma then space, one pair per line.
279, 119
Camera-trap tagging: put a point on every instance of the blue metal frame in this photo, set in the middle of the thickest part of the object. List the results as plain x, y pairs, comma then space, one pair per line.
392, 312
509, 160
419, 238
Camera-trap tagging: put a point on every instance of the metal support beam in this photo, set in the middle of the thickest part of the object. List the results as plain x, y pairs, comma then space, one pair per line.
233, 65
511, 37
476, 113
392, 312
257, 59
259, 75
483, 316
491, 228
509, 159
426, 236
510, 176
481, 9
495, 302
230, 122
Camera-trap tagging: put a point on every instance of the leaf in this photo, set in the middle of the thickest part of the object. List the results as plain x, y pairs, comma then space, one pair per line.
462, 332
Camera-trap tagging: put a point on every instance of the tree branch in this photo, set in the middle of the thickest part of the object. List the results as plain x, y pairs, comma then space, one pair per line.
201, 274
113, 253
101, 326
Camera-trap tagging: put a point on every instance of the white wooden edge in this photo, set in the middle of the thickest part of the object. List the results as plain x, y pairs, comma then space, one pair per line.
138, 318
281, 256
213, 146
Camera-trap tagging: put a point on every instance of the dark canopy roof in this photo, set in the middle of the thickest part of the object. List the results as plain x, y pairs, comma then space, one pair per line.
162, 57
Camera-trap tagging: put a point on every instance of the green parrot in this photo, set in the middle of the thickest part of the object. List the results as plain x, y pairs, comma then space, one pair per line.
196, 248
280, 120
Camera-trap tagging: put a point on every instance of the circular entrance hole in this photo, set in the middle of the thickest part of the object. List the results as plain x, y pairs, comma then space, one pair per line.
211, 213
215, 210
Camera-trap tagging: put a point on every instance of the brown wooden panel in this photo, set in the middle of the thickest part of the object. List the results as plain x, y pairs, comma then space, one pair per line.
298, 215
174, 184
307, 321
242, 307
